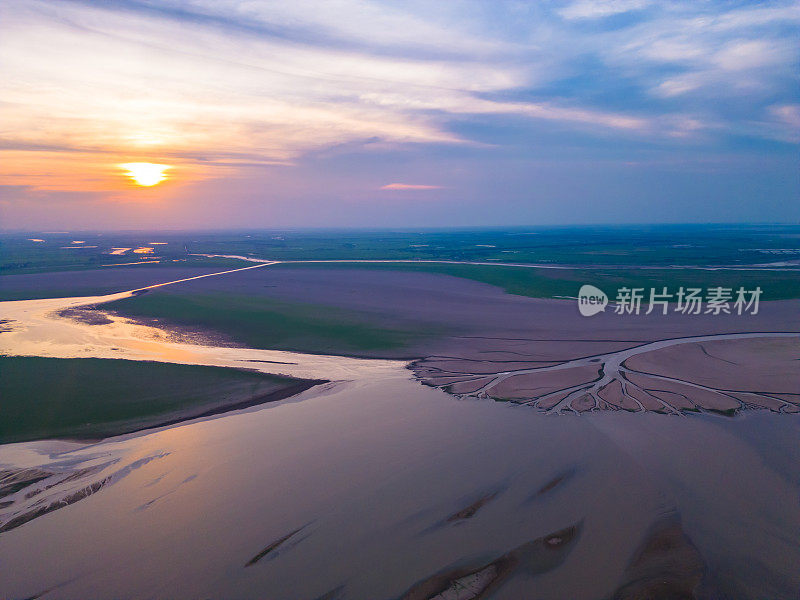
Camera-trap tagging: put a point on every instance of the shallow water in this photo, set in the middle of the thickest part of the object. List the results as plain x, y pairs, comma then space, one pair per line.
370, 472
35, 329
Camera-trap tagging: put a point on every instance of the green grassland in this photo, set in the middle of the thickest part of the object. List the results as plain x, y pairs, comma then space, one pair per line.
16, 265
260, 322
632, 256
665, 245
58, 252
95, 398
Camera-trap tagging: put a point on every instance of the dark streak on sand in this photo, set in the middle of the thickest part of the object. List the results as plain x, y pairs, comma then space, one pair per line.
333, 594
469, 511
473, 583
13, 481
271, 362
557, 481
62, 497
273, 546
61, 503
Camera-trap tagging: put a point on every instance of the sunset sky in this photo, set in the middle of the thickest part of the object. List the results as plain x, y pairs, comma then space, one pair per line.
397, 113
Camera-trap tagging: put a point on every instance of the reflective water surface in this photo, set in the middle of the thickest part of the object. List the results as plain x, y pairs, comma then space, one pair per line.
366, 489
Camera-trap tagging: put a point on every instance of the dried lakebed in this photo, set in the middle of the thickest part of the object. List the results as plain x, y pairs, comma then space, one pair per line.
724, 373
374, 486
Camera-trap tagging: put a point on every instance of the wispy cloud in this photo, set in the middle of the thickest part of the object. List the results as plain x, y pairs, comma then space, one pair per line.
409, 186
710, 50
219, 85
594, 9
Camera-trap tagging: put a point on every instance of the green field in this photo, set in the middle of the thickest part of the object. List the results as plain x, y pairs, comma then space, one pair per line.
94, 398
641, 246
260, 322
49, 264
609, 257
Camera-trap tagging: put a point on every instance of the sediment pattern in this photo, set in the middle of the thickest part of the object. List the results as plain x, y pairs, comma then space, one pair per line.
29, 493
721, 373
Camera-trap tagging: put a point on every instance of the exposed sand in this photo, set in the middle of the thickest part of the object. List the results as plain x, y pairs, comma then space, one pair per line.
723, 373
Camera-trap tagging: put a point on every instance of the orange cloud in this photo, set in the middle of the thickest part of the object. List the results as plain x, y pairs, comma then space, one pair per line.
409, 186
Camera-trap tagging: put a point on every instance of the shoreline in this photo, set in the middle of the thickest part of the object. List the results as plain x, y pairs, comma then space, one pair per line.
223, 409
274, 396
95, 399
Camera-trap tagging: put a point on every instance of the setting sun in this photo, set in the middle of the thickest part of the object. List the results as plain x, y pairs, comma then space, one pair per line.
145, 174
